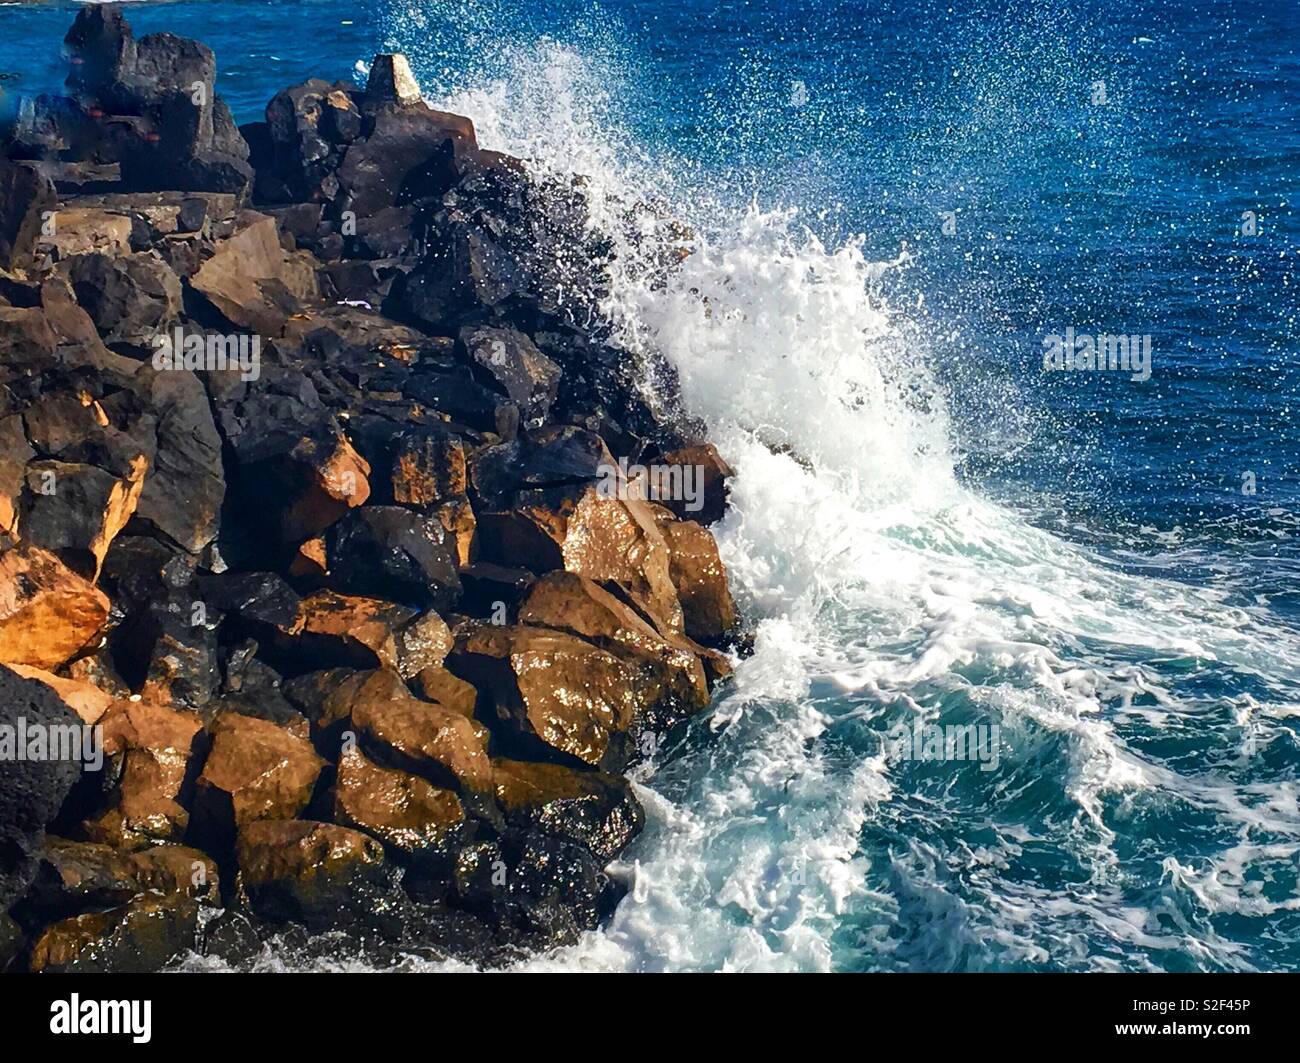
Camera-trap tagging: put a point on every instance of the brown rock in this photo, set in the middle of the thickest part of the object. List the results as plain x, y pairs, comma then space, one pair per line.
47, 611
252, 281
141, 937
256, 770
700, 578
340, 629
401, 810
457, 517
305, 870
617, 540
576, 604
592, 808
557, 688
438, 684
77, 875
430, 739
332, 478
711, 473
428, 469
83, 231
151, 747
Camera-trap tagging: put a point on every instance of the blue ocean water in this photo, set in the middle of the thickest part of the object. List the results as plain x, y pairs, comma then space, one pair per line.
896, 203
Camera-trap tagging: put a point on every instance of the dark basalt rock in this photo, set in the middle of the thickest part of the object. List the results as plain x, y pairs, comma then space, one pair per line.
131, 300
31, 791
25, 196
392, 552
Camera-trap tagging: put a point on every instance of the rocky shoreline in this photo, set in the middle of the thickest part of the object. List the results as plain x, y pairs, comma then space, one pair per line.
332, 518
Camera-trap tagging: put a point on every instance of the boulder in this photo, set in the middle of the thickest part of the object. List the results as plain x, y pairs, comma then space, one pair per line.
404, 811
560, 691
139, 937
88, 701
25, 198
81, 518
711, 472
412, 154
150, 750
252, 281
47, 612
255, 770
391, 81
671, 673
428, 468
393, 552
88, 231
75, 876
525, 374
337, 629
318, 874
132, 299
594, 809
421, 737
31, 791
700, 579
534, 889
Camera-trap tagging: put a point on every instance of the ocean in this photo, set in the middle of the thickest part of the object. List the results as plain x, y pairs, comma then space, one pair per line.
1025, 692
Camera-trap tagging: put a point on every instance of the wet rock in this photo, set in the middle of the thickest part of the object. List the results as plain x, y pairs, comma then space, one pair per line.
435, 683
392, 552
617, 540
47, 612
700, 578
331, 478
318, 874
150, 750
710, 473
403, 811
428, 468
75, 876
139, 937
338, 629
255, 770
525, 374
593, 809
534, 888
31, 791
421, 737
556, 689
670, 672
544, 460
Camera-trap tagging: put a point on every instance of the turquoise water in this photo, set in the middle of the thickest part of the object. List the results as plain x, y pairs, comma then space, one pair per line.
895, 206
